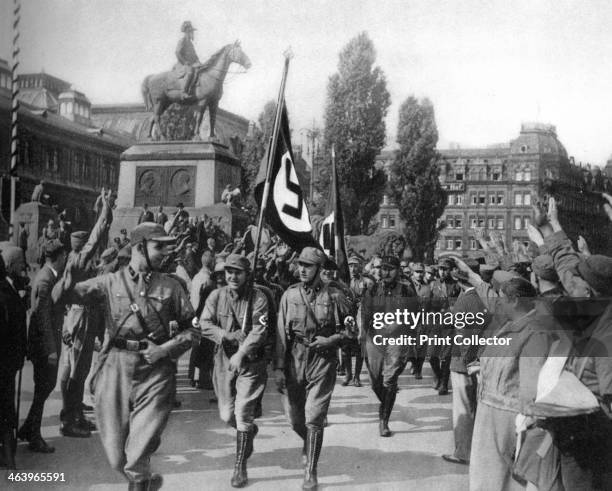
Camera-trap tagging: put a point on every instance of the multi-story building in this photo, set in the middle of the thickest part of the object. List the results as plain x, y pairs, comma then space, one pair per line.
494, 189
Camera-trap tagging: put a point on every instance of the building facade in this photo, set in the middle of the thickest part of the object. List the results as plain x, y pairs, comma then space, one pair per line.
494, 189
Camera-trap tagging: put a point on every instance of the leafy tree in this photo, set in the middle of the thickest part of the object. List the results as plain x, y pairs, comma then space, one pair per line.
357, 103
413, 182
254, 151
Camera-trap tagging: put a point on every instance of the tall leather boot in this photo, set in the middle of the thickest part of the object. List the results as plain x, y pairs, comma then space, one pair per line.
9, 445
434, 361
348, 368
418, 368
240, 479
314, 442
385, 411
358, 367
444, 376
152, 484
303, 434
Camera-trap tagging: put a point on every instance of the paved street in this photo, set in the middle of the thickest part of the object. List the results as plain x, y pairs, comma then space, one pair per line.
197, 450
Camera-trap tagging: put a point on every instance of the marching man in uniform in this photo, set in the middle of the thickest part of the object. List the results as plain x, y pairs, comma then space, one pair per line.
148, 326
240, 373
313, 320
387, 362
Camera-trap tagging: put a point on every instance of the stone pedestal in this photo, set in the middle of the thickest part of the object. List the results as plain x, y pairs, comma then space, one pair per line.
168, 173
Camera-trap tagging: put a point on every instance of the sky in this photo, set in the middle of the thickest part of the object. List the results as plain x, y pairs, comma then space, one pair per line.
486, 65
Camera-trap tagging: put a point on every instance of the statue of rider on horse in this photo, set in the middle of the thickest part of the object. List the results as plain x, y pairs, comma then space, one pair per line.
191, 82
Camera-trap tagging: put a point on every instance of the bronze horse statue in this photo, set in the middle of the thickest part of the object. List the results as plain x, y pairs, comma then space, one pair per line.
163, 89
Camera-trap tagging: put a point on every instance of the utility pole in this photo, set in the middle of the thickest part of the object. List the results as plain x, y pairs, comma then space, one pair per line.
313, 134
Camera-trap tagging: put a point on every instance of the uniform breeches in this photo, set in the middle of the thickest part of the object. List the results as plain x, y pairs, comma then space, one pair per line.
310, 382
76, 360
385, 365
133, 402
239, 393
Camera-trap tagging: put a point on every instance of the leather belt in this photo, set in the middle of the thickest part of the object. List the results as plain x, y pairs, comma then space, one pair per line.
129, 344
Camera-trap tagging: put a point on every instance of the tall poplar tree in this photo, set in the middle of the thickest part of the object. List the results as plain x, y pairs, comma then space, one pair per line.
413, 182
357, 103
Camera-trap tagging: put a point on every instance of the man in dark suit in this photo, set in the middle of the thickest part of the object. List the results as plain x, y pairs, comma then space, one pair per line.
13, 332
44, 342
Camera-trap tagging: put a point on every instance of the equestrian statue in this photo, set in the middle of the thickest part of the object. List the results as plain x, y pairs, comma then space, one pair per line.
191, 82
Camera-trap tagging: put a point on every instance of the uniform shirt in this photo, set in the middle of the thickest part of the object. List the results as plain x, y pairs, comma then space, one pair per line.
387, 297
201, 280
328, 304
224, 312
159, 297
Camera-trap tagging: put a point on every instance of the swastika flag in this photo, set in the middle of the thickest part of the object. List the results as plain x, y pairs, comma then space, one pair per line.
285, 211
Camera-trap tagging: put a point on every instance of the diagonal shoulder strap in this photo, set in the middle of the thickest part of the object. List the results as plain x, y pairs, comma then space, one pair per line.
133, 305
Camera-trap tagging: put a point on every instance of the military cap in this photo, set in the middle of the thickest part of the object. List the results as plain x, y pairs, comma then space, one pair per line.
354, 259
312, 255
109, 254
149, 231
237, 261
596, 270
219, 267
51, 247
417, 267
186, 26
544, 267
488, 268
446, 262
390, 262
78, 238
430, 269
125, 252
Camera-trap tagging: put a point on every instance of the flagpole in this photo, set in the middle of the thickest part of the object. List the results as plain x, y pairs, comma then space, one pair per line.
337, 245
266, 191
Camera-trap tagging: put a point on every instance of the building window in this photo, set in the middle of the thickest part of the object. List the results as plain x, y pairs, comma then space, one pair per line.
492, 199
528, 175
527, 199
474, 198
473, 244
385, 224
482, 199
500, 223
492, 223
457, 244
449, 244
437, 244
500, 199
481, 222
496, 176
451, 199
391, 221
526, 221
460, 199
458, 222
459, 176
519, 175
517, 223
473, 222
518, 199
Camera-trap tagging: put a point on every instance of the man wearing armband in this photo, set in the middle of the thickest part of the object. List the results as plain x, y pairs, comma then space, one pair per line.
386, 362
313, 320
240, 373
148, 326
